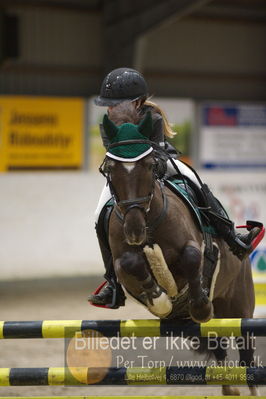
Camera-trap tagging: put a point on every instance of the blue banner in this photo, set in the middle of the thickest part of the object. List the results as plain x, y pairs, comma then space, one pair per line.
241, 115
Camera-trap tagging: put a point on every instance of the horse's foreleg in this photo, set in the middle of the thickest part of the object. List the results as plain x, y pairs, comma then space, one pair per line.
134, 275
200, 307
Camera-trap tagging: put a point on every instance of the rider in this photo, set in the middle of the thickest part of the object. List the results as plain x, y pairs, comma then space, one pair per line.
126, 84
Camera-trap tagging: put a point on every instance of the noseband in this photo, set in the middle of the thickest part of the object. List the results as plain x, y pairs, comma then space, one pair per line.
136, 203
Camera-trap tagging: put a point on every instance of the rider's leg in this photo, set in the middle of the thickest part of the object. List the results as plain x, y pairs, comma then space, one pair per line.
183, 169
106, 295
104, 198
239, 244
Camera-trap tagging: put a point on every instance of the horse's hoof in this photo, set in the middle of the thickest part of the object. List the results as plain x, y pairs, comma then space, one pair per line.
161, 306
254, 390
202, 313
229, 390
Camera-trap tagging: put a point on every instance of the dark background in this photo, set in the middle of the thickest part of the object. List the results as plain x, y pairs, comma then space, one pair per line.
200, 49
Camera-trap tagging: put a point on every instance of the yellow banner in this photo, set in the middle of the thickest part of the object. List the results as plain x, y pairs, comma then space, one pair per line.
260, 294
41, 132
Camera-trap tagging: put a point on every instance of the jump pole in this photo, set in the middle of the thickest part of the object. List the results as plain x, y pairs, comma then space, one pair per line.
126, 397
132, 376
127, 328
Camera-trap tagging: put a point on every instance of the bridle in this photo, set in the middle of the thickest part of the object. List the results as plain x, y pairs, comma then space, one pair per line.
138, 202
124, 206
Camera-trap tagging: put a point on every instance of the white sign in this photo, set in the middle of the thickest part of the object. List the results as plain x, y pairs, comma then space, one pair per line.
233, 136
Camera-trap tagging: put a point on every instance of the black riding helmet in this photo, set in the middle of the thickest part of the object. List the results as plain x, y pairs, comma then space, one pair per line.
120, 85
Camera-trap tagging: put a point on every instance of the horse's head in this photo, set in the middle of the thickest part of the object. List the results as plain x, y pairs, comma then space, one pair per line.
129, 167
132, 185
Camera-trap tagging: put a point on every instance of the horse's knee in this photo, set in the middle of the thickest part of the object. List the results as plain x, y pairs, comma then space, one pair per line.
191, 260
200, 308
134, 264
133, 272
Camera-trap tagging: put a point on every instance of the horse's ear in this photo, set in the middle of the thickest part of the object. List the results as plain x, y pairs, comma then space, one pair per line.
145, 127
109, 127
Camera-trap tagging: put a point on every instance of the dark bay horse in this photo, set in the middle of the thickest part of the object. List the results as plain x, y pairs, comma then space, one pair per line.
157, 246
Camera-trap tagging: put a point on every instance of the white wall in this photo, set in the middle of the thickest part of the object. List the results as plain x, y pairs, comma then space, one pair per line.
47, 224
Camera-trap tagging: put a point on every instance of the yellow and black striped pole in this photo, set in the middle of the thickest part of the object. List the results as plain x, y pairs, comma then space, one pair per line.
124, 397
133, 376
139, 328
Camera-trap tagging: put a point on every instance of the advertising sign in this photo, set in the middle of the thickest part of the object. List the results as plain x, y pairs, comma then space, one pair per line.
41, 132
232, 136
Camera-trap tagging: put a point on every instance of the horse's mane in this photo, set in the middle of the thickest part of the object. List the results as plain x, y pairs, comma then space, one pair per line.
124, 112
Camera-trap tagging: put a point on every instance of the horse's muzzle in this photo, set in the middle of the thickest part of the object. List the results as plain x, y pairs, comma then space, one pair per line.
135, 237
135, 225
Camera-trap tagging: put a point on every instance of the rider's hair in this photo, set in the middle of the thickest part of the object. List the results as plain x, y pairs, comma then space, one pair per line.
127, 112
167, 129
123, 113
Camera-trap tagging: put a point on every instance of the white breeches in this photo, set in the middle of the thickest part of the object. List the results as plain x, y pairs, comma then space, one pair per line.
184, 169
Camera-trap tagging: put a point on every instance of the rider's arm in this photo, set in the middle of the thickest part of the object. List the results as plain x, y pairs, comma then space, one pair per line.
159, 137
157, 131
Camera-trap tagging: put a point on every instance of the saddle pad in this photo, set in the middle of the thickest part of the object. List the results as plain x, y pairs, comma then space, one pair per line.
190, 198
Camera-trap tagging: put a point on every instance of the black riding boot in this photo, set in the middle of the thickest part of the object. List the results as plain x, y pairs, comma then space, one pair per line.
239, 244
112, 295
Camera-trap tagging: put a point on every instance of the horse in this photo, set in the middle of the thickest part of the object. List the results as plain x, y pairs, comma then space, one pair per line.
157, 246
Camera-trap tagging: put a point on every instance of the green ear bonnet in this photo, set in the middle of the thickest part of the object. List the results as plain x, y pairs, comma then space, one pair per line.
128, 152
